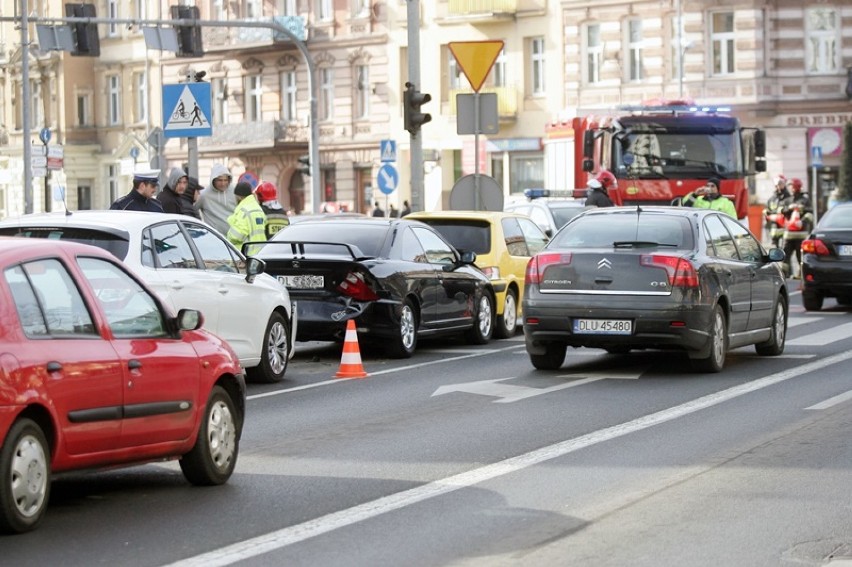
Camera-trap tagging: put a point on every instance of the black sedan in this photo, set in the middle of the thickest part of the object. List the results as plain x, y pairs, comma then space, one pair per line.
827, 259
397, 279
624, 278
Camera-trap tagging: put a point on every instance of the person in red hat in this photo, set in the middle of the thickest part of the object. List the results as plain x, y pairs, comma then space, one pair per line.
276, 217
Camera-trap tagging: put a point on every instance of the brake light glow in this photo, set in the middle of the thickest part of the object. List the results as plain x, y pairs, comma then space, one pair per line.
539, 263
680, 271
815, 246
356, 287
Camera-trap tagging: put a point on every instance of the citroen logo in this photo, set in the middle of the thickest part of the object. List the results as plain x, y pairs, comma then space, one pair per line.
604, 263
295, 263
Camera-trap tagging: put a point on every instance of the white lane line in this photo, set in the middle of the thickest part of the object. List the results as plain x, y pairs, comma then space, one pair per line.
796, 321
253, 547
824, 337
839, 399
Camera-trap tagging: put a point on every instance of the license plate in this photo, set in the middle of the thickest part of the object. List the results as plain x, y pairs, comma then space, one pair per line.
302, 282
603, 326
845, 250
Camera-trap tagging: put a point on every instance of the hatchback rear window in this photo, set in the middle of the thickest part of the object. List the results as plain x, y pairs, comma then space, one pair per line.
115, 244
471, 236
607, 231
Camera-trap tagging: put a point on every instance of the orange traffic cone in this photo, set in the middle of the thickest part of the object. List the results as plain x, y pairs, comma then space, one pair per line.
350, 361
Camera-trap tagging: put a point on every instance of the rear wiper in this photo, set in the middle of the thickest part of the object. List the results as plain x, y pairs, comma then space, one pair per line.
640, 244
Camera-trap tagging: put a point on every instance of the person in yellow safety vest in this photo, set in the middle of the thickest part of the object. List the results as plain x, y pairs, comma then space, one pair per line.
709, 197
248, 222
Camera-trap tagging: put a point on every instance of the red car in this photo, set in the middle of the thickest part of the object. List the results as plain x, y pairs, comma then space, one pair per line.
95, 371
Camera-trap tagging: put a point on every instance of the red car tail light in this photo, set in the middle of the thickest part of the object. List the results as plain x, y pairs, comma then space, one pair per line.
815, 246
539, 263
680, 271
356, 287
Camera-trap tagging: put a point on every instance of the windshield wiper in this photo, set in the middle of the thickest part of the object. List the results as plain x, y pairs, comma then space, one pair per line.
640, 244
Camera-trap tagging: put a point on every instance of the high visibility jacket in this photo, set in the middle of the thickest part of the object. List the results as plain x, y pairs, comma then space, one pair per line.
247, 224
720, 203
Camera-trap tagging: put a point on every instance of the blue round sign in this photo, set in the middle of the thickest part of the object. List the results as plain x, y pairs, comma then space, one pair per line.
44, 135
134, 152
388, 178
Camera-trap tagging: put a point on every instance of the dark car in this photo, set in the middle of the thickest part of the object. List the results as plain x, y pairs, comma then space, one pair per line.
827, 259
627, 278
98, 372
397, 279
549, 213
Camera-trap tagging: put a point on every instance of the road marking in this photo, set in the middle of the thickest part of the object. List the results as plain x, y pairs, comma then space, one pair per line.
508, 393
824, 337
796, 321
291, 535
825, 404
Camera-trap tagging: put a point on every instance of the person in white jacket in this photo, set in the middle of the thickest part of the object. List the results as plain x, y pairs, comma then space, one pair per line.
217, 201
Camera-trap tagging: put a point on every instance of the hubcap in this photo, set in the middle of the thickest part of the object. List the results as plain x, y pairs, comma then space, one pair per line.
780, 330
29, 476
406, 326
277, 348
485, 316
222, 434
718, 341
510, 312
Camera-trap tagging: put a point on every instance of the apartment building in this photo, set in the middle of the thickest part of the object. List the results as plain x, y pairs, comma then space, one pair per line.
780, 65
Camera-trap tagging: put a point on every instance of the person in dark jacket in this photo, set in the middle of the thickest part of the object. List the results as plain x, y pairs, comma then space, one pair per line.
141, 197
189, 197
596, 195
170, 196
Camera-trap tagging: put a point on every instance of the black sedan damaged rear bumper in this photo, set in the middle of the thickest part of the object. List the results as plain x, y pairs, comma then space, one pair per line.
324, 320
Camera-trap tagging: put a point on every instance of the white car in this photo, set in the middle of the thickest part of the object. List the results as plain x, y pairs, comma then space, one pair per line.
190, 265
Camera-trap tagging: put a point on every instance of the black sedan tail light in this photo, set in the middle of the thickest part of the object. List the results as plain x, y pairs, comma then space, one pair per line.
680, 271
355, 286
539, 263
815, 246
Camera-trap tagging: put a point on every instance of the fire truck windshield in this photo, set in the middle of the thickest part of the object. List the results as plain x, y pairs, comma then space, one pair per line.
676, 155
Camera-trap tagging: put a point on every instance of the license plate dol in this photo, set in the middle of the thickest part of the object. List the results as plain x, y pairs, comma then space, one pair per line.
845, 250
603, 326
302, 282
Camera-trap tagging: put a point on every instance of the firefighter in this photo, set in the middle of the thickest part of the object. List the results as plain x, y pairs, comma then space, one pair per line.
773, 214
798, 223
276, 217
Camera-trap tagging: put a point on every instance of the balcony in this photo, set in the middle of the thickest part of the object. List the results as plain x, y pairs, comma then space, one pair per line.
253, 135
479, 11
507, 101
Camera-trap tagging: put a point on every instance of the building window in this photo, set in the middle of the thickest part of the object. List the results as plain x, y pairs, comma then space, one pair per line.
254, 92
325, 10
634, 50
678, 48
84, 109
500, 70
139, 9
329, 184
114, 100
112, 13
112, 183
141, 95
84, 195
361, 8
362, 91
594, 53
722, 42
822, 31
254, 9
288, 96
525, 171
326, 94
37, 105
454, 73
287, 7
219, 88
218, 10
537, 69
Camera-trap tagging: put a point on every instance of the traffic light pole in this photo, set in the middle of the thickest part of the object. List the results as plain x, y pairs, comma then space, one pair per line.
418, 199
313, 143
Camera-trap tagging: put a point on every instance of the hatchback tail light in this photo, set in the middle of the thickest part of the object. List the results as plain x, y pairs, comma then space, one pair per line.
354, 286
539, 263
680, 271
815, 246
493, 272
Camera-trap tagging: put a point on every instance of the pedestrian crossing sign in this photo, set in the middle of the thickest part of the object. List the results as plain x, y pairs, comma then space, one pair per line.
387, 149
186, 110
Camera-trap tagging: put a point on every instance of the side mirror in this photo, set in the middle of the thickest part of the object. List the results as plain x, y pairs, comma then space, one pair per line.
468, 257
760, 144
254, 266
189, 319
760, 166
588, 144
588, 165
776, 255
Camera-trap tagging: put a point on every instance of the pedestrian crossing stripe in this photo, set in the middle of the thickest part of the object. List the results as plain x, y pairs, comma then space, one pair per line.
187, 113
186, 110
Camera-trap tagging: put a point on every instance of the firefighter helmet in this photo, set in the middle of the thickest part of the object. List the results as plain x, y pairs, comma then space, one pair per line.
796, 184
267, 191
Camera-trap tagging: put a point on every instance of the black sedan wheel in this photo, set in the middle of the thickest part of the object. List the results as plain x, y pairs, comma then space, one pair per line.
552, 359
812, 300
276, 351
775, 345
483, 321
405, 341
718, 337
25, 474
214, 456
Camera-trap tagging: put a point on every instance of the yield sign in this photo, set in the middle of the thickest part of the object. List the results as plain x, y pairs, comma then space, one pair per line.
476, 59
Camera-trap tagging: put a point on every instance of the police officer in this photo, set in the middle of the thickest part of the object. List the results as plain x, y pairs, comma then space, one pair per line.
141, 197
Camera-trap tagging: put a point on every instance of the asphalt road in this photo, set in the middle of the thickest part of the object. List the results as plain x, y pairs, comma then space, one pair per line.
466, 455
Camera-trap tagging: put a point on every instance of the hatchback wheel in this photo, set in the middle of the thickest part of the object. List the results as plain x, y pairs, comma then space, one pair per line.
812, 300
483, 320
775, 345
25, 473
276, 351
718, 338
552, 358
507, 325
214, 456
405, 341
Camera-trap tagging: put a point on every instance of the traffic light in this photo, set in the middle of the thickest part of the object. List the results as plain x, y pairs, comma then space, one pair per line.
86, 40
305, 165
189, 37
413, 100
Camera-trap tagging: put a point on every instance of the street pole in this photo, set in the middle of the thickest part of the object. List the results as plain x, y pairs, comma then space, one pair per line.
418, 199
25, 109
680, 51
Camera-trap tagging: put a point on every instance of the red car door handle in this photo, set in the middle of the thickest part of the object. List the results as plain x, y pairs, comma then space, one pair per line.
54, 366
134, 364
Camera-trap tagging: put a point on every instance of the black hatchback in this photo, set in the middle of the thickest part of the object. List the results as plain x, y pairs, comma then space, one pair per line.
827, 259
624, 278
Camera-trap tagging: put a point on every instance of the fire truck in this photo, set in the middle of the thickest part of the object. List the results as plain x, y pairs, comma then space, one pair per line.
658, 152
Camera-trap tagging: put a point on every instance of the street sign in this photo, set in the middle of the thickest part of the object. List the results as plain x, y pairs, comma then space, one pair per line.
186, 110
250, 178
475, 58
155, 138
387, 149
55, 157
44, 135
816, 156
388, 178
476, 193
466, 116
